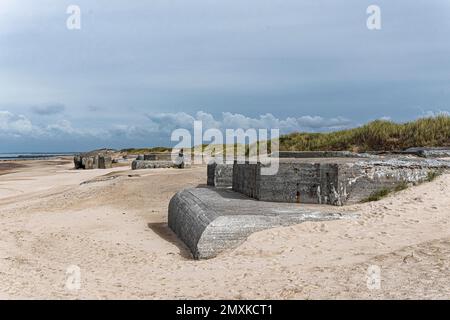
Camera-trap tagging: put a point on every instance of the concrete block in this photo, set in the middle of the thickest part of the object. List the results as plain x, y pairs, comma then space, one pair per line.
443, 152
77, 160
157, 156
330, 181
87, 162
98, 159
145, 164
95, 162
149, 157
320, 154
220, 175
104, 162
210, 220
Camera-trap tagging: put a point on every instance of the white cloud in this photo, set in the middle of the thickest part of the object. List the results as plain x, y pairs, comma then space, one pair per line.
19, 126
158, 127
15, 125
63, 126
431, 113
167, 122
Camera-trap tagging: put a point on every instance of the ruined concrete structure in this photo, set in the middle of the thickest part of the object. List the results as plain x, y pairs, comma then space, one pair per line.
149, 164
210, 220
220, 175
155, 156
320, 154
429, 152
334, 181
157, 160
90, 161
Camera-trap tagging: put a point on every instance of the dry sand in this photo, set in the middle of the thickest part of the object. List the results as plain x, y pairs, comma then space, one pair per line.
114, 228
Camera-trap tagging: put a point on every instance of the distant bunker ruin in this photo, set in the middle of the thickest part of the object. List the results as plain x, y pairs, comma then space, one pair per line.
155, 156
158, 160
240, 200
92, 161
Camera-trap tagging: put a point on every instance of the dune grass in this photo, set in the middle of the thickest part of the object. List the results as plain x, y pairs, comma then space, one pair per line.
146, 150
379, 135
382, 193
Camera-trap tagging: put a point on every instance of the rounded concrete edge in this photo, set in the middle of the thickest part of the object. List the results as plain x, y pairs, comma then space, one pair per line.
188, 217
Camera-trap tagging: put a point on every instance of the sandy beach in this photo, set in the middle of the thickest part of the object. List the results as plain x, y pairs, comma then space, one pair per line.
112, 224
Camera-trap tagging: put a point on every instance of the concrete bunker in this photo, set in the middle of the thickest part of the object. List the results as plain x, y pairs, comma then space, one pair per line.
159, 160
88, 161
334, 181
210, 220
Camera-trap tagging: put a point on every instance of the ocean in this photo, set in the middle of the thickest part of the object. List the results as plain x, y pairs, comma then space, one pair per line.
32, 155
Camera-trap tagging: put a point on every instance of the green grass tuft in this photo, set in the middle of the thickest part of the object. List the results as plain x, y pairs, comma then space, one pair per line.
377, 195
432, 175
382, 193
402, 186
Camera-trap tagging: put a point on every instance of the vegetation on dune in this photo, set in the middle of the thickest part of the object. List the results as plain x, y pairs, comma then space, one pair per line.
146, 150
379, 135
378, 195
382, 193
432, 175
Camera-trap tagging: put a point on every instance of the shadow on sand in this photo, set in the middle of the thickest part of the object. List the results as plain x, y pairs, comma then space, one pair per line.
163, 230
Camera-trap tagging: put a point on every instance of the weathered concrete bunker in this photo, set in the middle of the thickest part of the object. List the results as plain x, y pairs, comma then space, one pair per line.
88, 161
320, 154
157, 160
152, 164
210, 220
145, 162
155, 156
334, 181
442, 152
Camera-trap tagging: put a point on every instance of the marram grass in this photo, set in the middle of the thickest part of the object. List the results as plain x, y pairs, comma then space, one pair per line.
379, 135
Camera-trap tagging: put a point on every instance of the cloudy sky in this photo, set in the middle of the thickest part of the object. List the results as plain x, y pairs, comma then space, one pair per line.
136, 70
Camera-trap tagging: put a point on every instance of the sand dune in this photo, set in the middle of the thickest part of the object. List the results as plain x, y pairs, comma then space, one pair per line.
112, 225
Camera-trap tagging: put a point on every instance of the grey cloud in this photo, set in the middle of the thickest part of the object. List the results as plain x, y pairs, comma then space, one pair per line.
93, 108
47, 110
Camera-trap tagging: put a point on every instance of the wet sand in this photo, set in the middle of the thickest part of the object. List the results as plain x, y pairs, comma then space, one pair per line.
9, 166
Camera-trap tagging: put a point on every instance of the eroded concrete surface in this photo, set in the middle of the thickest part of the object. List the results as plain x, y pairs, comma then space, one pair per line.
334, 181
210, 220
